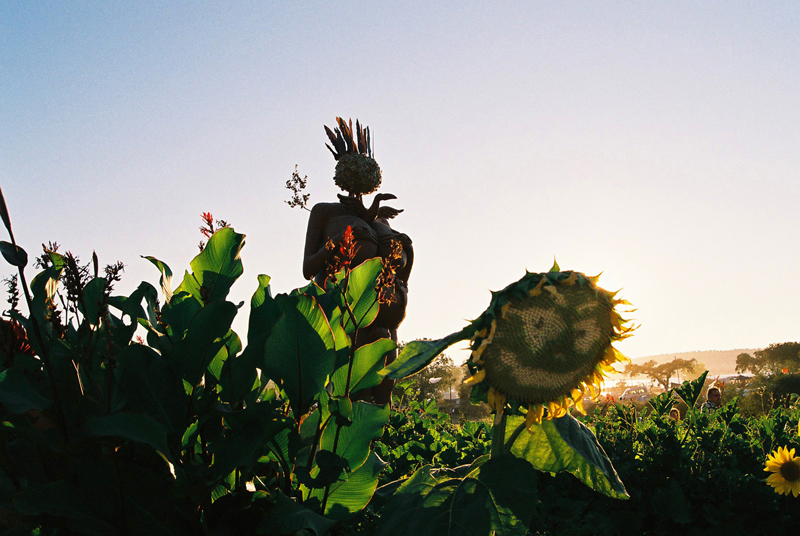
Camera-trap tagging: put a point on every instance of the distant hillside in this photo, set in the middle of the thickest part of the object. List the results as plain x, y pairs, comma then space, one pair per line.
718, 362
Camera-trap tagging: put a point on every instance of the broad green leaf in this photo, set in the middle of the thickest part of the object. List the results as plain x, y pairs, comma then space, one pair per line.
150, 386
282, 445
93, 295
166, 277
203, 340
349, 496
134, 426
132, 305
690, 391
216, 268
565, 444
673, 501
241, 446
361, 295
341, 340
44, 287
661, 403
264, 313
367, 361
4, 212
497, 496
232, 345
17, 395
368, 421
14, 255
179, 312
288, 517
417, 355
299, 353
341, 407
329, 468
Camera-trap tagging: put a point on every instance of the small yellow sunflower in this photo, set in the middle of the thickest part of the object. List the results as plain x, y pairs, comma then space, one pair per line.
545, 341
785, 469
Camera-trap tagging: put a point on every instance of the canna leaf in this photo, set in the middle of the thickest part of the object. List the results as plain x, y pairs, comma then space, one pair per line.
216, 268
690, 391
14, 255
417, 355
367, 361
349, 496
4, 212
166, 277
495, 497
16, 393
565, 444
299, 352
134, 426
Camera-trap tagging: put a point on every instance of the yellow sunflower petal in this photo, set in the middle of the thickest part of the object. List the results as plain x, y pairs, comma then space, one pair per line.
478, 377
477, 352
535, 291
571, 280
531, 418
492, 330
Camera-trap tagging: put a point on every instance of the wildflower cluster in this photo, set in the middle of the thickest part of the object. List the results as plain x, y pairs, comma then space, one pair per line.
297, 184
12, 287
386, 279
341, 256
208, 227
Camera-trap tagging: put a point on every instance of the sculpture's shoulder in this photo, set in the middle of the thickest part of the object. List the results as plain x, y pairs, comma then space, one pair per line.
327, 208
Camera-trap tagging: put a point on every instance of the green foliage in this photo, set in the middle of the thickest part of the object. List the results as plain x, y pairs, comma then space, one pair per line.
191, 432
419, 434
196, 431
702, 475
489, 496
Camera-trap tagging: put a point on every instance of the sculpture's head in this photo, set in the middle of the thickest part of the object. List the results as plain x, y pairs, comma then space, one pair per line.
357, 172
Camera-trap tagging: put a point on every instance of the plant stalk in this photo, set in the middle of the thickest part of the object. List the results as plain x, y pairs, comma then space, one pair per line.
498, 435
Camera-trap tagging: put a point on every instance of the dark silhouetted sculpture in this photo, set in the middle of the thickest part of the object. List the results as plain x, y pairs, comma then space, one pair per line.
358, 174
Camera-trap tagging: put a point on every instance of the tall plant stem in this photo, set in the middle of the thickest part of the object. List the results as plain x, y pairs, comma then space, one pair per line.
352, 352
498, 435
48, 364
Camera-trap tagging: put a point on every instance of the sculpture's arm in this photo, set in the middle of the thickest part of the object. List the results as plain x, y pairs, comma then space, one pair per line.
315, 256
408, 248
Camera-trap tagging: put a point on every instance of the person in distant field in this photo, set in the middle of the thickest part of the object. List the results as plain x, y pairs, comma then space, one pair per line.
714, 401
675, 414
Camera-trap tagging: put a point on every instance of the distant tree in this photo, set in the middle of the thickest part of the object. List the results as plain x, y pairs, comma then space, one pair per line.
441, 375
775, 358
662, 373
747, 363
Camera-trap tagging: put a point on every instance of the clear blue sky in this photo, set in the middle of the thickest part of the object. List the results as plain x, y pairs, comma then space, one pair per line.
656, 142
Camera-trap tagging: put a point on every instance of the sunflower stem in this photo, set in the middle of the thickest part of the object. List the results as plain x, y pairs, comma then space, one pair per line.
498, 435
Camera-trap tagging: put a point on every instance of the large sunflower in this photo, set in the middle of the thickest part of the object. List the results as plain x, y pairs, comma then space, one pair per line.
546, 340
785, 469
542, 343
